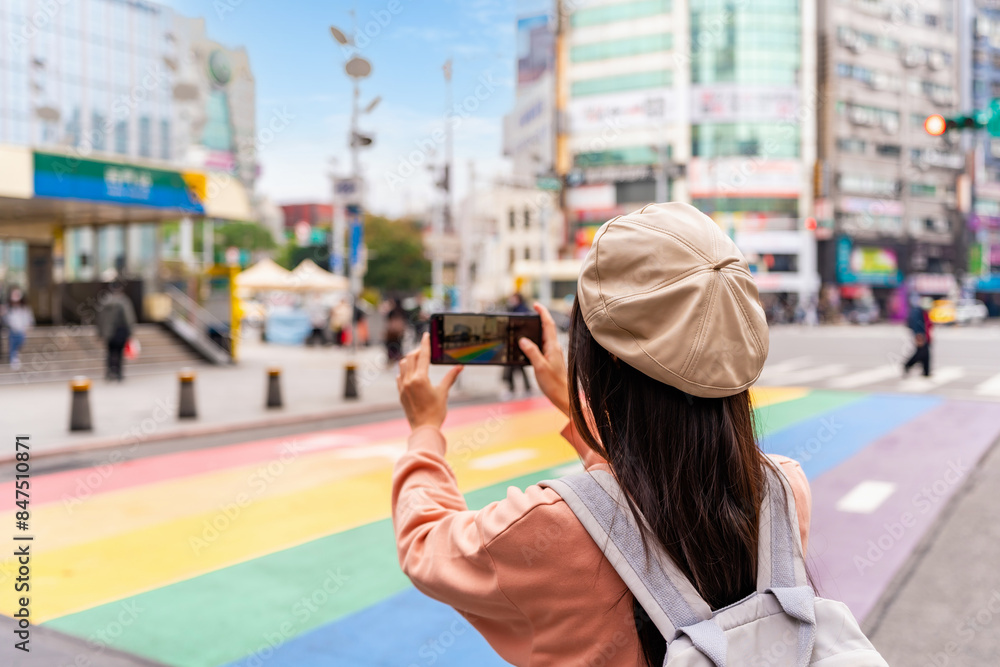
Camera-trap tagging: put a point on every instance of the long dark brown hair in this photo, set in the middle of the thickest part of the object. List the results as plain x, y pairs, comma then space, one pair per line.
690, 466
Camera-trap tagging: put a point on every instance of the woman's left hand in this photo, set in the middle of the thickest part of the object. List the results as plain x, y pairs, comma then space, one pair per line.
424, 404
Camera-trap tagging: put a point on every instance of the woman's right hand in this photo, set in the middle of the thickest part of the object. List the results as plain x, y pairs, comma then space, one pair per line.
549, 363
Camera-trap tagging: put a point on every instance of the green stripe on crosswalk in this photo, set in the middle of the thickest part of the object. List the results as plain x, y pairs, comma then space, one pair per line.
286, 594
293, 591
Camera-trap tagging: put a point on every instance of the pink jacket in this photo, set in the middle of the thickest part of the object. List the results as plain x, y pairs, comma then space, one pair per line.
523, 571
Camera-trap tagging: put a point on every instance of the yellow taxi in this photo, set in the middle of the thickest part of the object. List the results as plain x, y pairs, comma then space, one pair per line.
942, 312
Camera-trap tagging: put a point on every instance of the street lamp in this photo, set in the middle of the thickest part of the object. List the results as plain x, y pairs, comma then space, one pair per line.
356, 68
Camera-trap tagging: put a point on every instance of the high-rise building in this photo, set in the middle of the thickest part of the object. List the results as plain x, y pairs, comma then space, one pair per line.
703, 101
115, 116
889, 217
982, 48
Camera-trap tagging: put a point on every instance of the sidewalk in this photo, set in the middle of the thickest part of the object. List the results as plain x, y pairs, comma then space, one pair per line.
144, 408
943, 609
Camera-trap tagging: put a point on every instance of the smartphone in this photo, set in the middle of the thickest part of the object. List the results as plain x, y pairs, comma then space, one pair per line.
482, 340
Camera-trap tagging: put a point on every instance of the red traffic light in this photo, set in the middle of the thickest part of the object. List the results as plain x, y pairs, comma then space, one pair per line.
811, 224
935, 125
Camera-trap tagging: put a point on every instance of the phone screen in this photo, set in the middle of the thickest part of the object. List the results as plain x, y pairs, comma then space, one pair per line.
485, 340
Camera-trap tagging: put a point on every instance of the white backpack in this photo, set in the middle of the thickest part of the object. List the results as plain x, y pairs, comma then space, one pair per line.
782, 623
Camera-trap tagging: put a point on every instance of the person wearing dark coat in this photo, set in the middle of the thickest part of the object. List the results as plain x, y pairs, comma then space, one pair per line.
919, 322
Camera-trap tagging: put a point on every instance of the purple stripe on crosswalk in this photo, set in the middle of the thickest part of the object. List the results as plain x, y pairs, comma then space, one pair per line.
853, 557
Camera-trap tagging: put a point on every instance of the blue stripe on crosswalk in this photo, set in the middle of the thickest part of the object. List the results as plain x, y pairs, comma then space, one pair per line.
406, 630
823, 442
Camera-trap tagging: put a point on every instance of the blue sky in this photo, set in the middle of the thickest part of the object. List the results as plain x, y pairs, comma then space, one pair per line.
299, 71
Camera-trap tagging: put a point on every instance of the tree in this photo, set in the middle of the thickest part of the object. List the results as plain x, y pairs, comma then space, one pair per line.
396, 260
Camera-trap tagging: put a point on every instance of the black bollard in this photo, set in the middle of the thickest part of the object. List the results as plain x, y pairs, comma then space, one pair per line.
274, 388
79, 414
186, 409
350, 381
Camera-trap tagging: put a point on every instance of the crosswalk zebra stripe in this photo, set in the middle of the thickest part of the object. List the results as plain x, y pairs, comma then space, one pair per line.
785, 366
920, 384
989, 388
807, 374
870, 376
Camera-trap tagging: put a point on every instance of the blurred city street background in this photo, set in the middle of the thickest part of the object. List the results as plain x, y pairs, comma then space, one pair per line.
222, 223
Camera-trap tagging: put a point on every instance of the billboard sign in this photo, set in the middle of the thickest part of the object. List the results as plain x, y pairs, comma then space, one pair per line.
731, 103
867, 265
535, 49
647, 108
748, 177
69, 177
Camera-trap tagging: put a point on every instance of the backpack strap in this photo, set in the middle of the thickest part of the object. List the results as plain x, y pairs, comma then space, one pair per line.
663, 591
781, 568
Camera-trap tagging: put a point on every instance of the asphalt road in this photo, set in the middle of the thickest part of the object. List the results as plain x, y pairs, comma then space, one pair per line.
965, 362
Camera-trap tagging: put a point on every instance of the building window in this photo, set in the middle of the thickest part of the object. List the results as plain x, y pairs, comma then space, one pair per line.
527, 254
622, 83
121, 137
619, 12
511, 258
930, 20
512, 219
745, 139
98, 132
889, 150
527, 218
145, 137
621, 48
165, 139
771, 205
748, 43
852, 145
635, 192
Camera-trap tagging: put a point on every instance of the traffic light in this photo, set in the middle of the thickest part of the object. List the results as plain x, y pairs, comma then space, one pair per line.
988, 118
936, 125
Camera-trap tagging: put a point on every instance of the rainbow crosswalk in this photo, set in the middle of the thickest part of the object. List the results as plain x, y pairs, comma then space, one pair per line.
280, 551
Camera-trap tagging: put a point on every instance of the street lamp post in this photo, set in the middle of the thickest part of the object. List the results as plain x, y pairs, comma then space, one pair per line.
357, 68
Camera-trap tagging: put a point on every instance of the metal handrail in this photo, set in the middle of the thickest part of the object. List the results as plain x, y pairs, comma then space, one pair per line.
199, 319
197, 311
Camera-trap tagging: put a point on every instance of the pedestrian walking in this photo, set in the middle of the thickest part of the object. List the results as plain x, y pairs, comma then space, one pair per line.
115, 323
919, 323
19, 320
395, 330
679, 513
515, 304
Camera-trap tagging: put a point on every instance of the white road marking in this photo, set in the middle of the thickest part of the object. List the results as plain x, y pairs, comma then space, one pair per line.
785, 366
866, 497
806, 375
990, 388
920, 384
870, 376
501, 459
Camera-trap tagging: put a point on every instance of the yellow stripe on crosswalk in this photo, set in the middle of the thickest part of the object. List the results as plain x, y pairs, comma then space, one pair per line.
122, 543
157, 552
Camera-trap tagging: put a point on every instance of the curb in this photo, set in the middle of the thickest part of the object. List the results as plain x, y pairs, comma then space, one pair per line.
214, 429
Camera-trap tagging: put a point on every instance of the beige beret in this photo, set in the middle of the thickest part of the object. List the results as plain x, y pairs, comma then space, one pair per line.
666, 291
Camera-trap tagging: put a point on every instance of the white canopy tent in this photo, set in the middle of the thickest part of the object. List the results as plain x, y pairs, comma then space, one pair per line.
308, 277
265, 275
